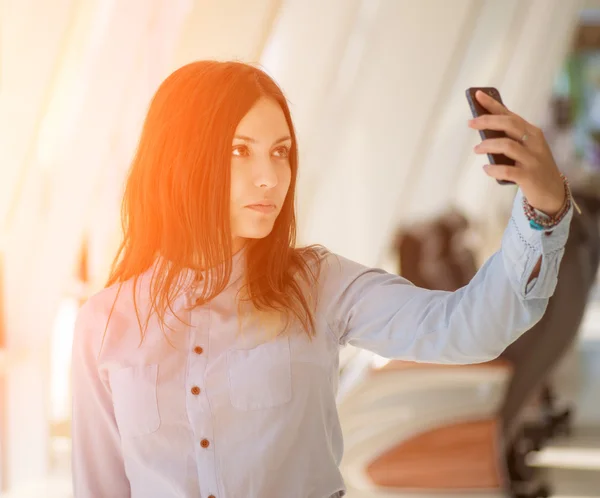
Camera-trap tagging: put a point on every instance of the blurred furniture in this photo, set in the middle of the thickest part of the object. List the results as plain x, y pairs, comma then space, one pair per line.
415, 430
435, 254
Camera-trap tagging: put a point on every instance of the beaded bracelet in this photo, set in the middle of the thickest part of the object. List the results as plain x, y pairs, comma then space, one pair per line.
542, 221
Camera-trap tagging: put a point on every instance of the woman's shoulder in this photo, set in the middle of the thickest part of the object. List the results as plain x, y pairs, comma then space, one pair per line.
336, 273
104, 320
331, 271
329, 262
315, 255
102, 301
120, 298
310, 262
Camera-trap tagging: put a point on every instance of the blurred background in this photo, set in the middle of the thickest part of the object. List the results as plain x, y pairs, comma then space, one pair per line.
387, 178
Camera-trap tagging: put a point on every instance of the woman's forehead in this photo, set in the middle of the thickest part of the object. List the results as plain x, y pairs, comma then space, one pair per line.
265, 119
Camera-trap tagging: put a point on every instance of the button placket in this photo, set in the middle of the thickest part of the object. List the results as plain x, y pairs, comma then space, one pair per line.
197, 401
199, 322
198, 404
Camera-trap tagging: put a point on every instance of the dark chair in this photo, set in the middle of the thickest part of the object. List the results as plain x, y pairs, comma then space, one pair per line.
433, 255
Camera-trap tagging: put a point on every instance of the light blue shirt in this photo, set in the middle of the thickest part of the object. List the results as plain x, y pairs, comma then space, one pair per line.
229, 415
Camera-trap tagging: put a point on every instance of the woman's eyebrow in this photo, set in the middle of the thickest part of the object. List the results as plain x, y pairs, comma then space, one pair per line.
251, 140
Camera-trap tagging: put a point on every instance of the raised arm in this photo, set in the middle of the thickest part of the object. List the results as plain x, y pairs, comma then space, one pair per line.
386, 314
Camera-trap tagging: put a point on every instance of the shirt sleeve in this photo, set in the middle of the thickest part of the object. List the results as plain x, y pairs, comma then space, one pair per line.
386, 314
97, 459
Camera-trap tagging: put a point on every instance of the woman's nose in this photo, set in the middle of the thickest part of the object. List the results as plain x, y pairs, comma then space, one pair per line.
265, 174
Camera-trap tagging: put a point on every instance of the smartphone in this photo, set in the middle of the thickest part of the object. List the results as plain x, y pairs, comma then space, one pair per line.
478, 110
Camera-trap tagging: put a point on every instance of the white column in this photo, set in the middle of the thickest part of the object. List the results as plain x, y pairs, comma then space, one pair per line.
27, 74
478, 59
46, 228
312, 53
387, 108
398, 132
226, 29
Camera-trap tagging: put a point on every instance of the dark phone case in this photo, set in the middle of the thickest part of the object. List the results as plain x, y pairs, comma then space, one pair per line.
478, 110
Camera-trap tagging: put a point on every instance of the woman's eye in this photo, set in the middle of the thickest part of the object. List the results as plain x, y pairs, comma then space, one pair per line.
240, 151
282, 152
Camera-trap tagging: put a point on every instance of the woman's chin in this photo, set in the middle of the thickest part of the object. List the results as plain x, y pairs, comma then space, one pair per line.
256, 233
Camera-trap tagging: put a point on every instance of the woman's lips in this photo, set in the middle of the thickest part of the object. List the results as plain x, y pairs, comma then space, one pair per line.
262, 208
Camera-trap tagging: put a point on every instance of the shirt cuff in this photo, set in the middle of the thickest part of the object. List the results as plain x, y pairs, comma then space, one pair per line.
548, 241
531, 285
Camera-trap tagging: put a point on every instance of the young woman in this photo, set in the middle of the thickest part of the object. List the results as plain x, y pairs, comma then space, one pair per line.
208, 365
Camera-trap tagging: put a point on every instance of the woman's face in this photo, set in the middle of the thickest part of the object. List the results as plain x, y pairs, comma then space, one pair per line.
260, 171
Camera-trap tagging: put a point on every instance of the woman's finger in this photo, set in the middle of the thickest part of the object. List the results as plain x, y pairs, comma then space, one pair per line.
512, 125
490, 103
504, 172
506, 146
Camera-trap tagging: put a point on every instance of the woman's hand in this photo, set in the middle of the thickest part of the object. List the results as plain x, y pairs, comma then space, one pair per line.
535, 172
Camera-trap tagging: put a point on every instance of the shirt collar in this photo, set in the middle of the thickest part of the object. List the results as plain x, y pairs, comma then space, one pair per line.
238, 266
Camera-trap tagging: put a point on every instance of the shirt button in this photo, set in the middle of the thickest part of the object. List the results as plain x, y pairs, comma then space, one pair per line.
204, 443
212, 496
195, 390
198, 350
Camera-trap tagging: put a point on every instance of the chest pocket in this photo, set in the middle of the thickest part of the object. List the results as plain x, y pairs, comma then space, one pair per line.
260, 377
134, 399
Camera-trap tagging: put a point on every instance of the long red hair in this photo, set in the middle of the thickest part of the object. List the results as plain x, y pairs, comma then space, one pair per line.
176, 200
